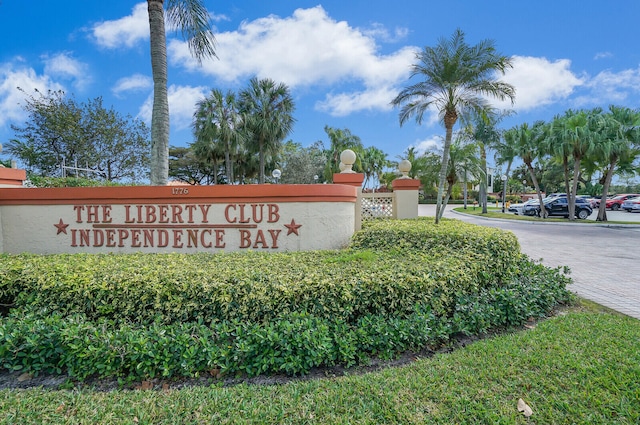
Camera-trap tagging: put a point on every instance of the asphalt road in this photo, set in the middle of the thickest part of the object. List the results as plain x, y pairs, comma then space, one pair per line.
604, 260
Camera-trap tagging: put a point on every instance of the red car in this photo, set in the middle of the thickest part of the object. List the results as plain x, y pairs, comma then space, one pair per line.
616, 202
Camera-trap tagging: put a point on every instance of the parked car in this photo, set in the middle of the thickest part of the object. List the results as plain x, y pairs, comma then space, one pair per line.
517, 208
616, 202
559, 206
631, 204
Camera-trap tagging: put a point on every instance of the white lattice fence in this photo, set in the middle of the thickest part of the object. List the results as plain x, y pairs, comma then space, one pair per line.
377, 205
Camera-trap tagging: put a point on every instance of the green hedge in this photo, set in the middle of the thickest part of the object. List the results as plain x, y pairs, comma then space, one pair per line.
291, 344
402, 285
418, 264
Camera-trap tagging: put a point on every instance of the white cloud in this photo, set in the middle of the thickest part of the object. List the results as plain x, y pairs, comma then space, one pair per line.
182, 101
65, 67
434, 143
125, 31
612, 87
306, 49
539, 82
136, 82
12, 99
603, 55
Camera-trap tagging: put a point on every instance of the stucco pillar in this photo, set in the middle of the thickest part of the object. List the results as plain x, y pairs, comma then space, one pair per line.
12, 177
405, 199
353, 179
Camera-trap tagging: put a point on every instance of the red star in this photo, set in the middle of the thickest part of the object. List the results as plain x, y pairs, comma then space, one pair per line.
62, 228
293, 227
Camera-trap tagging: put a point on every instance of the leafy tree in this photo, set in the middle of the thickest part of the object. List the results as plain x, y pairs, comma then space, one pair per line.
217, 120
185, 166
457, 80
59, 129
192, 18
266, 109
302, 165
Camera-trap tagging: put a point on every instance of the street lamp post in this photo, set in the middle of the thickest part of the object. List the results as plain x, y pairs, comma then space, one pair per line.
504, 187
276, 174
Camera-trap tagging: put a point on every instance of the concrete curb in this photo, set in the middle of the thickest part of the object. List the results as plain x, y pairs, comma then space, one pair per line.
552, 223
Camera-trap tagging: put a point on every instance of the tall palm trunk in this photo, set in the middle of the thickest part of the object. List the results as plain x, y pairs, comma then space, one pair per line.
571, 197
450, 119
536, 185
483, 182
602, 209
160, 115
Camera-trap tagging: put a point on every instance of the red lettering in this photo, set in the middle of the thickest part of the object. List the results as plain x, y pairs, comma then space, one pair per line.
192, 238
79, 209
111, 237
127, 218
148, 238
163, 238
106, 213
73, 237
245, 238
98, 237
219, 238
176, 214
92, 213
274, 213
177, 238
242, 217
151, 214
122, 235
255, 212
205, 211
202, 240
274, 237
84, 237
190, 209
135, 238
163, 212
260, 240
226, 213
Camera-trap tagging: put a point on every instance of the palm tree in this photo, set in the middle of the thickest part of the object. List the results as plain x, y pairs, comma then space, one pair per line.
339, 140
210, 153
217, 120
457, 79
192, 18
618, 147
373, 163
576, 133
527, 142
463, 162
484, 132
505, 153
267, 109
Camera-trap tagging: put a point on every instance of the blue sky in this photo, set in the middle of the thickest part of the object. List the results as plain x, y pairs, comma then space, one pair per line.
343, 60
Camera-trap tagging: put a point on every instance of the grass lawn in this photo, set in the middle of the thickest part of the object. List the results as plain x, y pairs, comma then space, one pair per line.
582, 367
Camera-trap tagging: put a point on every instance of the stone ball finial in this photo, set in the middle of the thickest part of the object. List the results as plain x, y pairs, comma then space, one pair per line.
404, 166
348, 158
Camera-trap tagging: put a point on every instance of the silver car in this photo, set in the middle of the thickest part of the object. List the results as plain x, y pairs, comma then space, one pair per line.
631, 204
518, 208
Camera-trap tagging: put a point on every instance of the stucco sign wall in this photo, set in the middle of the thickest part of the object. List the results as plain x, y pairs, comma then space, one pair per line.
176, 219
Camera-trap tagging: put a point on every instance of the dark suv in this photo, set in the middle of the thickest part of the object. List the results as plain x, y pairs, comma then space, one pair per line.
560, 207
